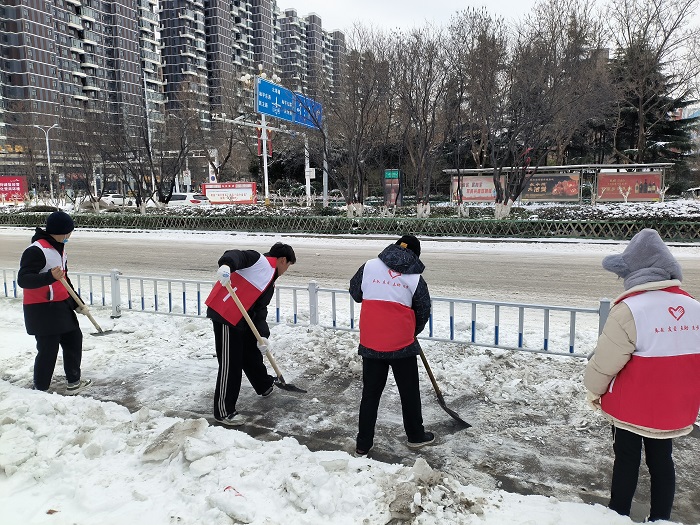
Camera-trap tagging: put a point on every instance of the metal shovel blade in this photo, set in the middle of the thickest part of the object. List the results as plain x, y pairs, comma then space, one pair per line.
101, 332
280, 383
453, 414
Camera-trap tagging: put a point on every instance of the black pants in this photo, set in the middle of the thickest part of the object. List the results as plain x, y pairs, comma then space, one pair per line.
47, 353
374, 376
628, 453
237, 353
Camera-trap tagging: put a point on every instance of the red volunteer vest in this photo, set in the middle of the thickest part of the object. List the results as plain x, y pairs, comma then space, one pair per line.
659, 387
248, 283
54, 291
387, 321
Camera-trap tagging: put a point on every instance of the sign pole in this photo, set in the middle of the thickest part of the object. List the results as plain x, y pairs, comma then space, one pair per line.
263, 132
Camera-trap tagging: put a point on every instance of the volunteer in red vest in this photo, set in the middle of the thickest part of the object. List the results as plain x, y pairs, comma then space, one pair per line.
645, 372
48, 308
252, 276
395, 308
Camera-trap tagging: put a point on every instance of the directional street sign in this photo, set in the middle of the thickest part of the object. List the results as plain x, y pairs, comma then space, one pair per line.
276, 101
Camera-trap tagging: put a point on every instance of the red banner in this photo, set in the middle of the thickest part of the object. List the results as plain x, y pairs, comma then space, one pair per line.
13, 188
637, 186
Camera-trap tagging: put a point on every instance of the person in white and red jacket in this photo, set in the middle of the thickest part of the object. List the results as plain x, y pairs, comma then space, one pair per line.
645, 372
48, 308
395, 308
252, 276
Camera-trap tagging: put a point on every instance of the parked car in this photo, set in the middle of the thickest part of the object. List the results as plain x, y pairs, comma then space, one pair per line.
188, 199
115, 199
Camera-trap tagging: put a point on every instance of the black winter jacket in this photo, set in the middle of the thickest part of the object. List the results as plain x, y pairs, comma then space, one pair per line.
237, 260
51, 318
404, 261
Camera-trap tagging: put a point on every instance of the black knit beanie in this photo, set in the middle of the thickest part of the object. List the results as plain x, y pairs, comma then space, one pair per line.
59, 223
410, 242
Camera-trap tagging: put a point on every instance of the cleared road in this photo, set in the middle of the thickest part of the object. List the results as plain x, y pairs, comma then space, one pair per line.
555, 273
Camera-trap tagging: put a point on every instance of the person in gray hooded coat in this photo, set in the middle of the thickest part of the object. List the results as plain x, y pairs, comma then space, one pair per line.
645, 372
395, 308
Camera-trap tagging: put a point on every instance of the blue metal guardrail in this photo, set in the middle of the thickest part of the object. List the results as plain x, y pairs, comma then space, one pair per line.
452, 319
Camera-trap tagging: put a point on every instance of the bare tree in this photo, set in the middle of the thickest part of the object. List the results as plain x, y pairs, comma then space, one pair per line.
359, 109
476, 64
581, 89
419, 74
657, 55
553, 88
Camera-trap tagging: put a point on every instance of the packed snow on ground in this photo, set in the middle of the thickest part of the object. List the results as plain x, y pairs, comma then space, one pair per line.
85, 460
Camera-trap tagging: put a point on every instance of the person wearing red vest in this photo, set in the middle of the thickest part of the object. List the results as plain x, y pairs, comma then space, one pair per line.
395, 308
252, 276
645, 372
48, 308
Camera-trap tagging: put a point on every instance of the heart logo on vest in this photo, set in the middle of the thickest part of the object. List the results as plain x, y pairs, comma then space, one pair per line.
676, 312
394, 274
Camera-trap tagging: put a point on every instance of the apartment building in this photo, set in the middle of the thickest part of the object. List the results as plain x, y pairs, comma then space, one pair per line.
130, 59
62, 59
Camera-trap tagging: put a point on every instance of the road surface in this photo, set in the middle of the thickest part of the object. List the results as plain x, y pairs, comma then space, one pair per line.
552, 273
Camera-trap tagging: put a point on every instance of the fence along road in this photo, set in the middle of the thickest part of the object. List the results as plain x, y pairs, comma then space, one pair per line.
556, 274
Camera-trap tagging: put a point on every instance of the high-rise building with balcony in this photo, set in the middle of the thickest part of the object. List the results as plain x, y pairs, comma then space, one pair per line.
311, 58
184, 50
126, 59
62, 58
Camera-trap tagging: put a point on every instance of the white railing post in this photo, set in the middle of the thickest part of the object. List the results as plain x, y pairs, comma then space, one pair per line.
116, 293
603, 311
313, 303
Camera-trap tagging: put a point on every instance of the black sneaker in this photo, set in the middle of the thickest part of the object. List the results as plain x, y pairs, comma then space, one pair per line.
428, 438
232, 420
359, 453
77, 387
268, 392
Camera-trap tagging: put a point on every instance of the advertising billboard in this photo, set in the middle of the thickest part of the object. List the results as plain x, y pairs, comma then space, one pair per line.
474, 189
13, 188
638, 186
552, 187
230, 192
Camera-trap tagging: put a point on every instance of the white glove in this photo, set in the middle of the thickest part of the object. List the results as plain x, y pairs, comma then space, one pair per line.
224, 274
264, 346
593, 400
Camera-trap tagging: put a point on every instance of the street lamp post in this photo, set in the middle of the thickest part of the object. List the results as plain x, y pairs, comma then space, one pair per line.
46, 130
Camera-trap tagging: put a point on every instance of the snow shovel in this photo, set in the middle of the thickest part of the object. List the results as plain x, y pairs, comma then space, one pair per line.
280, 379
82, 304
441, 400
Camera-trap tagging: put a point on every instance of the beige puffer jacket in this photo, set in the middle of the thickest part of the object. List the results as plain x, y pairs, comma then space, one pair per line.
615, 347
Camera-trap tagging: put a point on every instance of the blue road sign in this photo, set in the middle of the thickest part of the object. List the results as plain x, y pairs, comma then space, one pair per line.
276, 101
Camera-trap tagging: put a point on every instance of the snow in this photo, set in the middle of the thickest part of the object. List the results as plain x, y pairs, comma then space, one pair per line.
139, 446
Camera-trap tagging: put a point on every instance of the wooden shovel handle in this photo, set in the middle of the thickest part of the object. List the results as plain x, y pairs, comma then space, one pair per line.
257, 335
80, 303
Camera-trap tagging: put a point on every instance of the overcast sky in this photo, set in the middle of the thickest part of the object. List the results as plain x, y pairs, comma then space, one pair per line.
340, 14
337, 14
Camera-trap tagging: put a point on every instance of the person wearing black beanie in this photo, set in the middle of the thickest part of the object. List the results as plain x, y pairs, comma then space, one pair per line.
59, 223
410, 242
49, 310
395, 309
